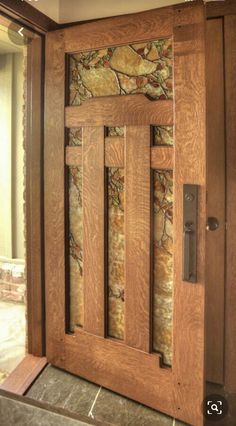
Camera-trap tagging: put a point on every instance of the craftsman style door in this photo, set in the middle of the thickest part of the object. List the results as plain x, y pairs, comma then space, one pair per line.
125, 201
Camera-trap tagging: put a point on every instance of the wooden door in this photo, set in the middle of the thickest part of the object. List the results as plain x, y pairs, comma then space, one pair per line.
125, 130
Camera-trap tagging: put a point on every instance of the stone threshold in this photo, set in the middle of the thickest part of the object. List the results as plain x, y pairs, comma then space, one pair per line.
21, 410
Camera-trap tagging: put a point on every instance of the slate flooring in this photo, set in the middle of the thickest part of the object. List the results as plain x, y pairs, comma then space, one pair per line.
61, 389
76, 395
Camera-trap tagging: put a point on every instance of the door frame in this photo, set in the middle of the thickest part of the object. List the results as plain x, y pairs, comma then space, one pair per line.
33, 197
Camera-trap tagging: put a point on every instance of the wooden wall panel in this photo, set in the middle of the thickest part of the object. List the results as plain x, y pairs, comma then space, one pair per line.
230, 320
137, 237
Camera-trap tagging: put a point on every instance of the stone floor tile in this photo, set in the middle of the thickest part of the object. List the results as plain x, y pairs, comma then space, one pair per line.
56, 387
14, 413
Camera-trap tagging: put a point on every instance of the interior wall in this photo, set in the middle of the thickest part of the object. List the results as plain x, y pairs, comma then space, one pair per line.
18, 158
6, 62
12, 156
65, 11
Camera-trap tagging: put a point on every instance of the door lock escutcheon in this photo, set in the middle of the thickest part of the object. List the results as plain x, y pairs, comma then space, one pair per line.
190, 203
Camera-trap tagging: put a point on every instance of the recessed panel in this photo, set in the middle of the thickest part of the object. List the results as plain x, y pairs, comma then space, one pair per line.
75, 247
116, 253
137, 68
163, 263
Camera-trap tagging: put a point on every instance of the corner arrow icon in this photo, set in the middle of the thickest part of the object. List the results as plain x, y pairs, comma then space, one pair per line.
20, 31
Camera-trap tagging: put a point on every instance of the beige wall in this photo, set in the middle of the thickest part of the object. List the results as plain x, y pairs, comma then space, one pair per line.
63, 11
17, 158
81, 10
6, 63
12, 155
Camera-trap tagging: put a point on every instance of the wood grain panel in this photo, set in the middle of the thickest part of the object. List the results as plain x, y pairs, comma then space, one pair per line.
190, 167
217, 9
153, 24
54, 190
24, 375
122, 368
34, 200
137, 237
74, 155
120, 111
93, 230
114, 151
230, 324
215, 241
108, 362
162, 158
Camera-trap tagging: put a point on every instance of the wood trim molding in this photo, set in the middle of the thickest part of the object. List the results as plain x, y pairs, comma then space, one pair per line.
230, 319
221, 8
28, 15
34, 198
24, 375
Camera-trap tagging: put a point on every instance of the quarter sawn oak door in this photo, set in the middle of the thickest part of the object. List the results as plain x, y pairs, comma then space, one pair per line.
125, 131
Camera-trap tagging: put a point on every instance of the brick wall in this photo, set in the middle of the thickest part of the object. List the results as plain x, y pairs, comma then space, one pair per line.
12, 282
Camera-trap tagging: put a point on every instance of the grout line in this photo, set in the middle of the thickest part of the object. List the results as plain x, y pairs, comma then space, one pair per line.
173, 424
90, 414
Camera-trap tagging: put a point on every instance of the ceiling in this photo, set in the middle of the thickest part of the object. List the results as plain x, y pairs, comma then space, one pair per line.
64, 11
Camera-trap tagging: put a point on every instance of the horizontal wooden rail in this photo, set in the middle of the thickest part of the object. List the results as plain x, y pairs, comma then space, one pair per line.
130, 110
161, 156
150, 25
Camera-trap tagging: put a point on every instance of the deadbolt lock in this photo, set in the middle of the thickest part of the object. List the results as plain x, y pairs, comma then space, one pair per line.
212, 224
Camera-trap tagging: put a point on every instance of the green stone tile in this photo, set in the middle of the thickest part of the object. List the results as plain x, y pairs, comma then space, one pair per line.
14, 413
61, 389
120, 411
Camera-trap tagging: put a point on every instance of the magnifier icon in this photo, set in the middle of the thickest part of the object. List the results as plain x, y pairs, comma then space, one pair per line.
214, 407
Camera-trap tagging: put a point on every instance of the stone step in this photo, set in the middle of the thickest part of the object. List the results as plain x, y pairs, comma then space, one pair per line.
22, 411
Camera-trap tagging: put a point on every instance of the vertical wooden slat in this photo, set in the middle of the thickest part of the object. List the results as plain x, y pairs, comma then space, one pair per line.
230, 325
34, 200
54, 195
137, 237
215, 260
189, 167
93, 229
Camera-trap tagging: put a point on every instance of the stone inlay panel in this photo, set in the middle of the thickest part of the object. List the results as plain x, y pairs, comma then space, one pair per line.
115, 131
75, 137
76, 247
139, 68
163, 264
116, 253
163, 135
